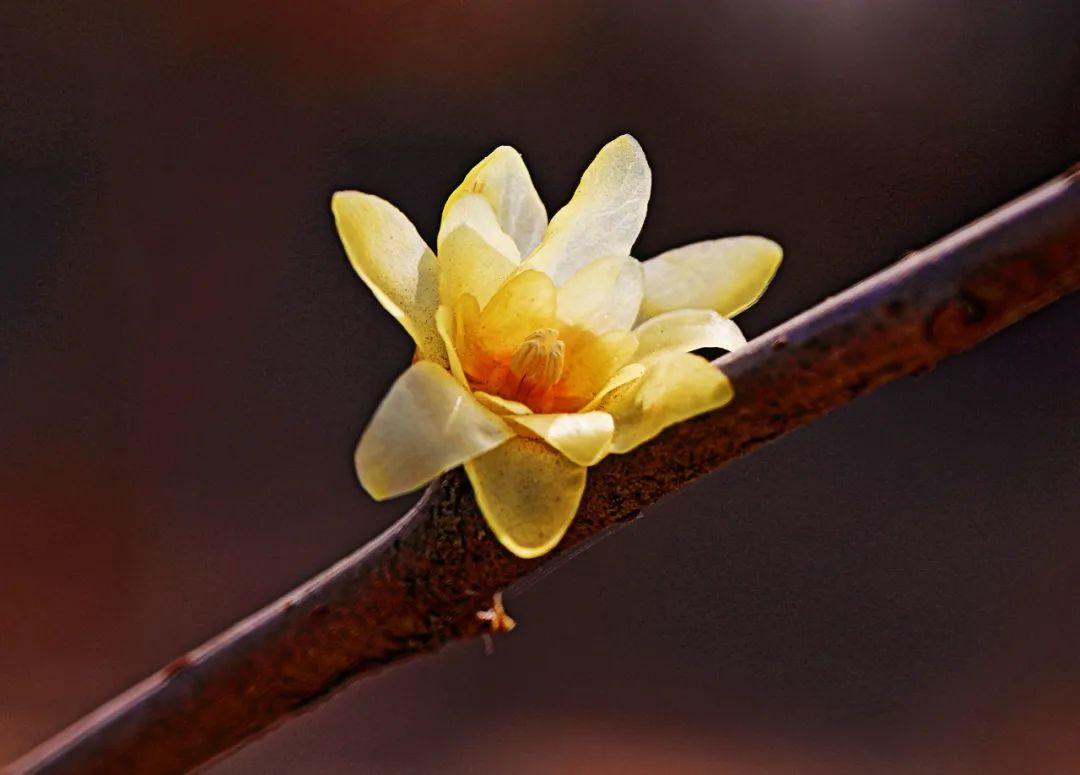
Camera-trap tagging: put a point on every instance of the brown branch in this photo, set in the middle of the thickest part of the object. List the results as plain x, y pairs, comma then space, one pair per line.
421, 584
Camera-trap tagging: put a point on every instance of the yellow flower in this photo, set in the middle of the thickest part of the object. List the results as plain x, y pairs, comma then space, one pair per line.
541, 347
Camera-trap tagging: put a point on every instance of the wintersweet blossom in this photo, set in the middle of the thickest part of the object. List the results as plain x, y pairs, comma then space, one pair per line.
541, 347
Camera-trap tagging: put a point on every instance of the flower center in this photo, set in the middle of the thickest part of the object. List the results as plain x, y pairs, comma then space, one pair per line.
538, 361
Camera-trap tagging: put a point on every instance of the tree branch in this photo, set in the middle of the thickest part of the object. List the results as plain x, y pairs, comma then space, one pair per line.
420, 584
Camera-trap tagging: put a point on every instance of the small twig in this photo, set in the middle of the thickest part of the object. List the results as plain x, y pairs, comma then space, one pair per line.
422, 583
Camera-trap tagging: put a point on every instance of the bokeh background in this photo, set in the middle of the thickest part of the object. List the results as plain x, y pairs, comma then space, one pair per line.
186, 361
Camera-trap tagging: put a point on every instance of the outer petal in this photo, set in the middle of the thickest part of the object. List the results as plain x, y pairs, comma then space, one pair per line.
529, 494
675, 386
474, 211
585, 438
725, 275
468, 263
685, 330
427, 424
604, 295
389, 255
605, 215
504, 182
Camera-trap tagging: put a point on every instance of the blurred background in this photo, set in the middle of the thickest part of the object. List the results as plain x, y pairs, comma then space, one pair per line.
187, 360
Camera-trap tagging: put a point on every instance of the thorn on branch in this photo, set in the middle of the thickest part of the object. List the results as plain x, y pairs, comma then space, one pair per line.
496, 620
496, 617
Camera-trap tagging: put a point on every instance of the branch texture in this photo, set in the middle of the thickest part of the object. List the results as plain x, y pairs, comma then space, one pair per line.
421, 584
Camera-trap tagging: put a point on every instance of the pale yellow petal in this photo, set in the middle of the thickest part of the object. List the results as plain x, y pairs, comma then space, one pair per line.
592, 360
444, 322
686, 330
427, 424
623, 376
390, 256
466, 334
501, 406
469, 264
475, 212
604, 295
605, 215
528, 493
523, 304
675, 386
726, 275
584, 437
502, 179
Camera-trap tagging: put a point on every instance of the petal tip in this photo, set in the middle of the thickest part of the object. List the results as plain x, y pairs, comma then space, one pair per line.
528, 552
772, 248
372, 484
340, 199
770, 251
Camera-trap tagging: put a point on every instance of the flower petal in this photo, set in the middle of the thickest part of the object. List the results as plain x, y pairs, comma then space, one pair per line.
427, 424
502, 179
591, 361
466, 328
726, 275
501, 406
389, 255
528, 493
685, 330
585, 438
675, 386
623, 376
468, 263
523, 304
605, 215
445, 324
475, 212
604, 295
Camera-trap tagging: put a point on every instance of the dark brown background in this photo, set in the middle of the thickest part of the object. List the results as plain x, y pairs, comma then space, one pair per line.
186, 361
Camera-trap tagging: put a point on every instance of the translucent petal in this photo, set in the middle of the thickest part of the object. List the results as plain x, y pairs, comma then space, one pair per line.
469, 264
523, 304
675, 386
444, 322
389, 255
685, 330
605, 215
726, 275
475, 212
466, 335
623, 376
500, 405
591, 361
585, 437
502, 179
427, 424
604, 295
528, 493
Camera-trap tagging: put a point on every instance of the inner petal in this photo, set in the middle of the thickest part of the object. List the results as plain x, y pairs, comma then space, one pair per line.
525, 303
591, 361
517, 350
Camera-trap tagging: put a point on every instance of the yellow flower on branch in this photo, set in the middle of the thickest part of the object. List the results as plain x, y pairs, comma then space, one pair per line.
541, 347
